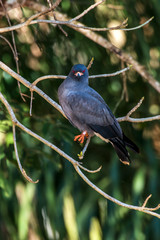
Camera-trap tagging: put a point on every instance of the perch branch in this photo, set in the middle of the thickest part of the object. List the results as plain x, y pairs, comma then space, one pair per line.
76, 164
56, 105
15, 122
81, 155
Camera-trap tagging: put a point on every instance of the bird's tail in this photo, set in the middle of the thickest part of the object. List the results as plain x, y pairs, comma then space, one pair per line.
120, 148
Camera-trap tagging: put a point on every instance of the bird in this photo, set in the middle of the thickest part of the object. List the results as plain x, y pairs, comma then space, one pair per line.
86, 110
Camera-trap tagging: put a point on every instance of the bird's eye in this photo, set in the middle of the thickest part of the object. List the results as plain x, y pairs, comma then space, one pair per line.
83, 71
73, 71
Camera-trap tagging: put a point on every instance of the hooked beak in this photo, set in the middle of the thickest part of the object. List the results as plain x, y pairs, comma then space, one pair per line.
78, 74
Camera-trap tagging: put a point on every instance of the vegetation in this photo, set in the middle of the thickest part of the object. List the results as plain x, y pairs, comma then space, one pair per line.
61, 205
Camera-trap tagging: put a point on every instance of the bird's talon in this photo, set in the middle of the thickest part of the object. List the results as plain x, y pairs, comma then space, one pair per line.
80, 138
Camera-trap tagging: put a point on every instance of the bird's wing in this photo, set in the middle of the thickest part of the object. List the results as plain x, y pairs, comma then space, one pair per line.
89, 110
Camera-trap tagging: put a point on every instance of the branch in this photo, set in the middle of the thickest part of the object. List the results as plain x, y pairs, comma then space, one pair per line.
15, 122
91, 76
56, 105
86, 11
76, 164
17, 157
69, 23
124, 56
149, 211
96, 38
127, 118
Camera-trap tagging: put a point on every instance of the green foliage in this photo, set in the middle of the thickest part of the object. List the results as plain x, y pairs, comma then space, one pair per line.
61, 205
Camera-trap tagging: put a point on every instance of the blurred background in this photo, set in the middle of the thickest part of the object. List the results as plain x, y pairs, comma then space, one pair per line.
62, 205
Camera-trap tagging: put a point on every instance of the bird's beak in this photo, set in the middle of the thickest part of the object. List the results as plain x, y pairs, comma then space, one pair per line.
78, 74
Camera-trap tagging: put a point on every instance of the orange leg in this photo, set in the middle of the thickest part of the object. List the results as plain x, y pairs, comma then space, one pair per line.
81, 137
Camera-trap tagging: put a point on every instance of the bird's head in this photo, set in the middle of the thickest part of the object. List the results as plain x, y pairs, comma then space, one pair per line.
79, 72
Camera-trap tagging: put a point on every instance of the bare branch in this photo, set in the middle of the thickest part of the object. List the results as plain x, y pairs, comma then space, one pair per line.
138, 120
105, 195
54, 16
111, 74
30, 21
15, 122
127, 118
146, 201
10, 45
14, 49
76, 164
99, 40
91, 171
135, 108
17, 157
81, 155
90, 63
56, 105
91, 76
118, 52
139, 26
86, 11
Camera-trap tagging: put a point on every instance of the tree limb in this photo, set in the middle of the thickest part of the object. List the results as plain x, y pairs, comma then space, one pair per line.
77, 166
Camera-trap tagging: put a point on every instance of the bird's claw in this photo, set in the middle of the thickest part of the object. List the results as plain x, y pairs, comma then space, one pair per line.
80, 138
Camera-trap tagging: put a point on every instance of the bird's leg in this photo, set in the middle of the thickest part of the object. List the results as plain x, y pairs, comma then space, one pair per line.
81, 155
81, 137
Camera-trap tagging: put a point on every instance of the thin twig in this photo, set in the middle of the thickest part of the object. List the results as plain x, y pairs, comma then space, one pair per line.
67, 23
81, 155
86, 11
137, 120
91, 76
111, 74
31, 102
10, 45
15, 54
18, 160
145, 202
91, 171
90, 63
54, 16
135, 108
124, 77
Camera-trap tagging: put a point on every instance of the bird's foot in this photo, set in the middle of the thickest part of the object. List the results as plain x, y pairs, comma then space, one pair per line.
80, 138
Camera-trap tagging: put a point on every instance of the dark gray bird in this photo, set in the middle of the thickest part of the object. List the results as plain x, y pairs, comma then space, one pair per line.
87, 111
